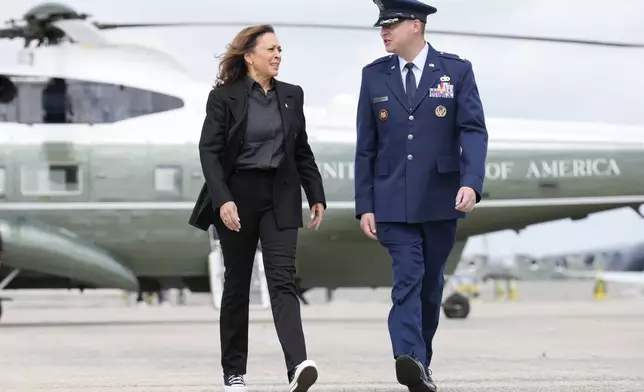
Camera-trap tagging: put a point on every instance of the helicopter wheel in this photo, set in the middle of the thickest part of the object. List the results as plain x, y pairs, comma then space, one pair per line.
456, 306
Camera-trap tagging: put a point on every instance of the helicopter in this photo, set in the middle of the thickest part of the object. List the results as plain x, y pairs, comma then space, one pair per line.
99, 166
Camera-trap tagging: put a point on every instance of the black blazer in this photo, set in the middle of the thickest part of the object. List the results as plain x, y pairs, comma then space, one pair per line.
222, 136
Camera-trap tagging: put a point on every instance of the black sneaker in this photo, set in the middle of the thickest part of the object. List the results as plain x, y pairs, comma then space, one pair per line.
413, 375
234, 383
304, 376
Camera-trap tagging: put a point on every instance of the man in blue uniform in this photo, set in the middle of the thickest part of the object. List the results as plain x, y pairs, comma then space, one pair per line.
419, 166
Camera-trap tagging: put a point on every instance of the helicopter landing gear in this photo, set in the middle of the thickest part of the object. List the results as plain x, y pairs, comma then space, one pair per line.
5, 282
215, 271
300, 291
456, 306
2, 299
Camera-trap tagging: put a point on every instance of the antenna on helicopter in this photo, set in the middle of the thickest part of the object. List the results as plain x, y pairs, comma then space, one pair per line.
51, 23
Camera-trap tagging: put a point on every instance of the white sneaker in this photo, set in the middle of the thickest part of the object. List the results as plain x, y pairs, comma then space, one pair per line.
234, 383
305, 375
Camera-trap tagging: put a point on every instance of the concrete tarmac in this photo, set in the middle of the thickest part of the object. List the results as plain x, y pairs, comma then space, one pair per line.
529, 345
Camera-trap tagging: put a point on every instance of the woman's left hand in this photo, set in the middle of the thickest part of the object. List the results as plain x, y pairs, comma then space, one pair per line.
317, 211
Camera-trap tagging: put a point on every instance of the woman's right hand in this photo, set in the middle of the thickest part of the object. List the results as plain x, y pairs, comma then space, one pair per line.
228, 214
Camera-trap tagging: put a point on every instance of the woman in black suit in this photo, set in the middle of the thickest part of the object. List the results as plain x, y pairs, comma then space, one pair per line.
255, 156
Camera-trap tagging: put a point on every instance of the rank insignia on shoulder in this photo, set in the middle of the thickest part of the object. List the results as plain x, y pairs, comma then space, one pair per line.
452, 56
440, 111
444, 89
383, 114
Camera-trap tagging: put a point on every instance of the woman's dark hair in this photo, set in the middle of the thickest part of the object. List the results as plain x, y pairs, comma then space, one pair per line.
232, 66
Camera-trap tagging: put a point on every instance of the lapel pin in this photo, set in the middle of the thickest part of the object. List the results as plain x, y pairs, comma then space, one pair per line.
286, 104
430, 65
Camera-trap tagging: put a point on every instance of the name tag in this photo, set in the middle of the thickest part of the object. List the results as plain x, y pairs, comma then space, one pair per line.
381, 99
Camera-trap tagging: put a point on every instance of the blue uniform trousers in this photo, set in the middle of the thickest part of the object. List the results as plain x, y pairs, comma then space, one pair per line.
419, 252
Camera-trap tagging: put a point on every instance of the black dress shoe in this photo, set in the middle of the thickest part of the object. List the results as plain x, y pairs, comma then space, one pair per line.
430, 381
413, 375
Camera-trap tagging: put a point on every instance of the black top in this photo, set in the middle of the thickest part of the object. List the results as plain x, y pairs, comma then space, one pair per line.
219, 149
264, 142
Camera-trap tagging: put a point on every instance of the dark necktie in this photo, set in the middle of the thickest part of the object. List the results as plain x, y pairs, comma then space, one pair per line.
410, 83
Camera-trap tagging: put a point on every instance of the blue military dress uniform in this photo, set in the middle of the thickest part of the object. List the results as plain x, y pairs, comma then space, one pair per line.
418, 142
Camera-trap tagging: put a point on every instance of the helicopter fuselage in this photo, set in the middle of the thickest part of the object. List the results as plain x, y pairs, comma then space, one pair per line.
117, 166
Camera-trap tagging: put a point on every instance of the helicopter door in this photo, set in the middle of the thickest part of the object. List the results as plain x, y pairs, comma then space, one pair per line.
119, 174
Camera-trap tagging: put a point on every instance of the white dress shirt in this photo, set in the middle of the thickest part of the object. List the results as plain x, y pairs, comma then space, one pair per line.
419, 64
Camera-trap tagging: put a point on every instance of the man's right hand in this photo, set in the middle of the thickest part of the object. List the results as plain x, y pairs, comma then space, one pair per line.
368, 225
228, 214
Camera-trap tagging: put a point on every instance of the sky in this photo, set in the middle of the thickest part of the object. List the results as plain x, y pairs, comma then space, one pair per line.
529, 80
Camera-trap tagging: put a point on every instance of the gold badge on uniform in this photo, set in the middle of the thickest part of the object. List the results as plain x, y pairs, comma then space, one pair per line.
440, 111
383, 114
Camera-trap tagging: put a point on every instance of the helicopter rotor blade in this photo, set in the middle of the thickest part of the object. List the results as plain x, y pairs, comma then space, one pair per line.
542, 39
12, 32
106, 26
82, 32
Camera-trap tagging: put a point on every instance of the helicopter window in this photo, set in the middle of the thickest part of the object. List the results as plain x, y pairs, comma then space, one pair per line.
70, 101
50, 179
167, 179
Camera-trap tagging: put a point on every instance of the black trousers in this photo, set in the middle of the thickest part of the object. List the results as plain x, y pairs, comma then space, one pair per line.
252, 192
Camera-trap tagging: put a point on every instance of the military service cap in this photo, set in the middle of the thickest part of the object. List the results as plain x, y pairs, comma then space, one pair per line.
395, 11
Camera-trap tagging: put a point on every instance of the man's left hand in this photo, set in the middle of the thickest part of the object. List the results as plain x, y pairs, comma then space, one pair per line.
317, 211
465, 199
